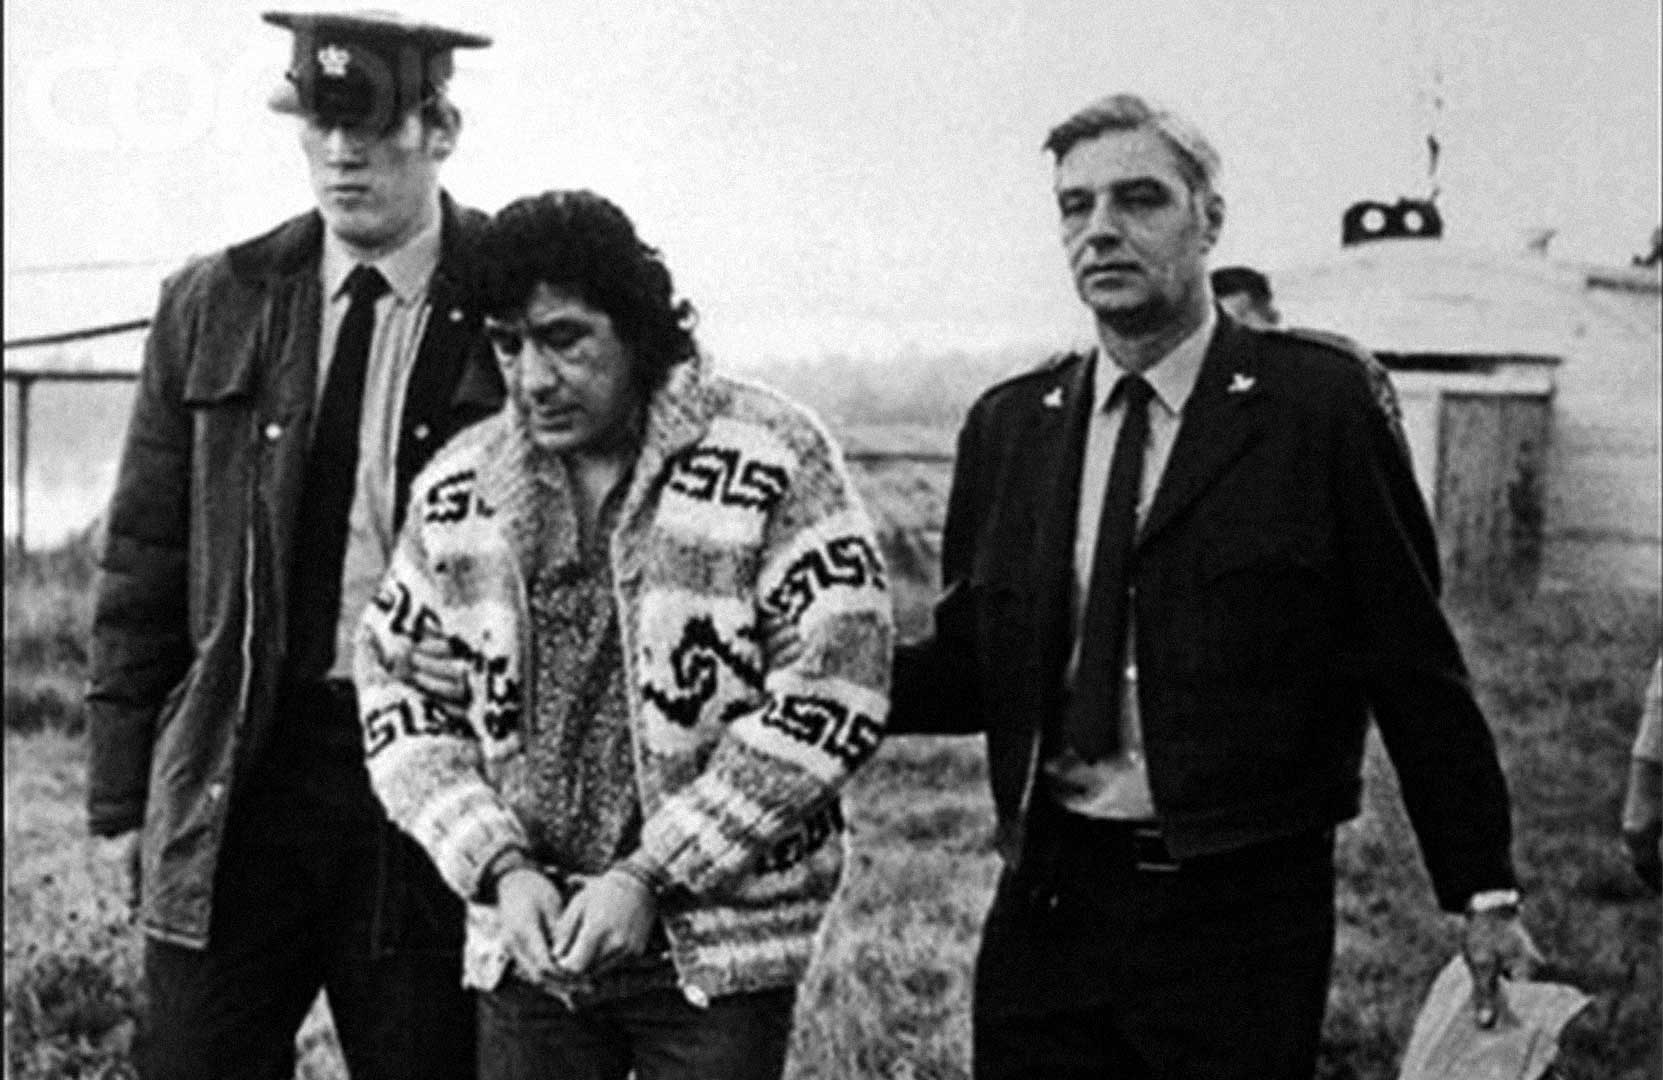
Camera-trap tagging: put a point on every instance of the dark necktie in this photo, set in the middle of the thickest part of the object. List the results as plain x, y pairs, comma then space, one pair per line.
331, 474
1092, 723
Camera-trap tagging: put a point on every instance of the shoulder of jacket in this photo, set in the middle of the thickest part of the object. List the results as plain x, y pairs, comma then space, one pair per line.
1323, 364
1317, 341
461, 229
459, 461
470, 219
747, 402
1052, 367
198, 275
758, 421
283, 249
207, 283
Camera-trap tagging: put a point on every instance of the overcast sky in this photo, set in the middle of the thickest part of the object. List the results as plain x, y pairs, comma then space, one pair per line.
861, 175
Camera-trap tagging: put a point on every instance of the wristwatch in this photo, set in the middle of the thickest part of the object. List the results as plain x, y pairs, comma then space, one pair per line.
1494, 901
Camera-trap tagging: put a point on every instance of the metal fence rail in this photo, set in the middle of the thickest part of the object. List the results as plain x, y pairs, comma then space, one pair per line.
84, 334
25, 379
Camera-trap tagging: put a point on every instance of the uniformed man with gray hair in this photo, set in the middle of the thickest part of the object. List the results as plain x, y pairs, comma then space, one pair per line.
1182, 570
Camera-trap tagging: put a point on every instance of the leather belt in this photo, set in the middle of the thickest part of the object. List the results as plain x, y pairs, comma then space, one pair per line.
1139, 843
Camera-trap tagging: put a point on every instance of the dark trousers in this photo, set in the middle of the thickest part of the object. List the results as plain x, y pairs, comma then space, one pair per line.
525, 1034
1216, 969
314, 890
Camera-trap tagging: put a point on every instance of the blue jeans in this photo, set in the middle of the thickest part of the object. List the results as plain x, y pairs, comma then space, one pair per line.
524, 1034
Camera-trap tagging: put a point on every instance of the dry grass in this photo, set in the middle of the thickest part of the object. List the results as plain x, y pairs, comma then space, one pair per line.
48, 615
889, 998
72, 958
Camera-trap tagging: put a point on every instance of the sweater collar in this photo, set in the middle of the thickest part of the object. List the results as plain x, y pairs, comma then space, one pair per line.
678, 415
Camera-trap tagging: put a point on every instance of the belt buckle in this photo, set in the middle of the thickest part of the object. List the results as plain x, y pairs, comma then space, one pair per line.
1149, 852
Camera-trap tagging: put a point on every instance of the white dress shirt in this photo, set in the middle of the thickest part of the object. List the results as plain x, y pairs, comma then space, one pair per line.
1118, 787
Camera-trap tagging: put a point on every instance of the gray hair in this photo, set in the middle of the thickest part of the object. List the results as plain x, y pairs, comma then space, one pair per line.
1197, 160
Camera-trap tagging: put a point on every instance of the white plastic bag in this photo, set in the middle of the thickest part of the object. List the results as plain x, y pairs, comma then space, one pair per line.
1448, 1045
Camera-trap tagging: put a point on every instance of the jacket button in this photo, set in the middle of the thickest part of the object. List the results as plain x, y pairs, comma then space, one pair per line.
456, 314
215, 790
274, 431
422, 432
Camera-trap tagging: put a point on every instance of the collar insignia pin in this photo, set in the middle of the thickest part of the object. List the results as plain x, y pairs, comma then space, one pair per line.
333, 60
1053, 400
1241, 384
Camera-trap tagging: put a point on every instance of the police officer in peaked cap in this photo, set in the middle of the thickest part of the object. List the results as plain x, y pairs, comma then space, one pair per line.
293, 384
365, 69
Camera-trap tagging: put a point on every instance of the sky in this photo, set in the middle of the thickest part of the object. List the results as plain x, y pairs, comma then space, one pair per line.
846, 176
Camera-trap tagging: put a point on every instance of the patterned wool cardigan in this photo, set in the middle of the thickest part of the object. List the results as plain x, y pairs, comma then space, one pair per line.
756, 631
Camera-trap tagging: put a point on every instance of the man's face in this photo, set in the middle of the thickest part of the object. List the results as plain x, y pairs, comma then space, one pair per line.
375, 190
568, 373
1136, 236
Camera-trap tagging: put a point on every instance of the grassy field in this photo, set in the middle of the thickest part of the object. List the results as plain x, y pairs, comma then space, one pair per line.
1560, 678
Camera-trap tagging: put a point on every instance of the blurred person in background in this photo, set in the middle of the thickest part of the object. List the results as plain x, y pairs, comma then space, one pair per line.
1643, 802
292, 386
634, 639
1180, 569
1245, 295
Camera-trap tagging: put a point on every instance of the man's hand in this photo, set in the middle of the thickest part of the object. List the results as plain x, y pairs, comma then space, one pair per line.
1495, 943
1643, 820
529, 906
436, 670
132, 853
1644, 856
607, 922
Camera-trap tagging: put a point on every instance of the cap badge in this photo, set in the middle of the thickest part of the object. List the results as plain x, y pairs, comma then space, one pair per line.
1053, 400
333, 59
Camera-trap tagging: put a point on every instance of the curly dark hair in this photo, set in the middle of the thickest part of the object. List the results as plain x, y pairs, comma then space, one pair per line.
581, 243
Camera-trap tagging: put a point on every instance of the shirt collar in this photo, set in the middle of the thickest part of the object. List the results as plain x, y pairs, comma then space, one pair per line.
1172, 377
407, 270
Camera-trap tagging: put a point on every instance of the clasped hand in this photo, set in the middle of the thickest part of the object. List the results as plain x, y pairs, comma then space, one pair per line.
611, 916
606, 923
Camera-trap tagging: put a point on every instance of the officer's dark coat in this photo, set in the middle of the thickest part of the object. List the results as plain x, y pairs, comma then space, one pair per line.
1286, 584
189, 626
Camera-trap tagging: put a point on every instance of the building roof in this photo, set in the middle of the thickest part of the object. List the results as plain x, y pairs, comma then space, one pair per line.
1430, 296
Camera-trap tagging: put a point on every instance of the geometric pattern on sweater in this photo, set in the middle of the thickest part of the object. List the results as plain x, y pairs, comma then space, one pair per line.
698, 663
756, 629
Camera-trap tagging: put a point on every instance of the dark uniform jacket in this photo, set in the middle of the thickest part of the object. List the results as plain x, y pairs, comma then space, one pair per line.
189, 625
1285, 584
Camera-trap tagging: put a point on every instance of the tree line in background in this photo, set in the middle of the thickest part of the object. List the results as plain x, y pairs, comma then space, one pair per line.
912, 387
